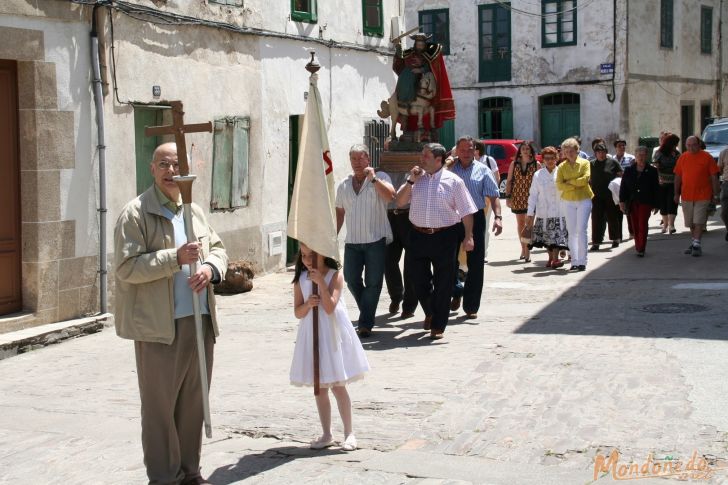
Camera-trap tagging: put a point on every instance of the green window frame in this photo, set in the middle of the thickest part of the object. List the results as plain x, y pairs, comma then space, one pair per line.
372, 18
706, 30
666, 24
495, 118
437, 23
304, 11
558, 23
230, 155
232, 3
494, 42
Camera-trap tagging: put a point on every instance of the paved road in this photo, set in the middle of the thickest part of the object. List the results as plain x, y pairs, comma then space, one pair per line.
630, 355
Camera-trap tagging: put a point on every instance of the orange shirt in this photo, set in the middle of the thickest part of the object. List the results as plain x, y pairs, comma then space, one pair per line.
696, 170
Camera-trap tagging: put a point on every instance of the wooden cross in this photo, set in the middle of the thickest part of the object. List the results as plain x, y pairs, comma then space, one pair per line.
178, 129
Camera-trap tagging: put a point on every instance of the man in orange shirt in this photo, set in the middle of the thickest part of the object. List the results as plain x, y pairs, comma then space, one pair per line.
696, 180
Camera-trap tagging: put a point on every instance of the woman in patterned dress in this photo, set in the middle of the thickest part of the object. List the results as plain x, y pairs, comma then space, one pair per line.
544, 216
518, 185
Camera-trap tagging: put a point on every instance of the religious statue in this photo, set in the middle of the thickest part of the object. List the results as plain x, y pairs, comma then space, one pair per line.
422, 99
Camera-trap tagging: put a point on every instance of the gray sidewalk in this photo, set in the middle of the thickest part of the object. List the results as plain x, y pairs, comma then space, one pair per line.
559, 367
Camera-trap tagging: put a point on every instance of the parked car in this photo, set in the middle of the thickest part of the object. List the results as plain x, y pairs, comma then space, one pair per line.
503, 151
715, 137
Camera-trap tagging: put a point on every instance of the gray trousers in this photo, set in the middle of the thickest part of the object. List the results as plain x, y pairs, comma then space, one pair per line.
172, 416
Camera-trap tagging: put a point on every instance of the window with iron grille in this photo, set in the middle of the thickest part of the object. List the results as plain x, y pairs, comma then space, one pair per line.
706, 30
437, 23
558, 23
376, 133
496, 118
666, 20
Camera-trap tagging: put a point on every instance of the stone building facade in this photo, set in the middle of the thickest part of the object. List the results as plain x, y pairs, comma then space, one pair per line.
547, 69
237, 63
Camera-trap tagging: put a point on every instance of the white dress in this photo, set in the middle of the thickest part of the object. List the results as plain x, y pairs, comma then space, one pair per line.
341, 356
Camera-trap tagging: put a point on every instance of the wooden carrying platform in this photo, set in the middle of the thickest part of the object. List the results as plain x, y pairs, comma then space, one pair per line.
390, 161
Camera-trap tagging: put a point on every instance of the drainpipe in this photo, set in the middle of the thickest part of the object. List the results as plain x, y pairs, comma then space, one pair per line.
99, 103
719, 82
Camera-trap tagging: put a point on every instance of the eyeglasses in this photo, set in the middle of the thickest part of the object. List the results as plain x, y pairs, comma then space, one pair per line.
166, 165
549, 157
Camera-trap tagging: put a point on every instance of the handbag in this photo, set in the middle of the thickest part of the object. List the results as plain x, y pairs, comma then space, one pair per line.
526, 235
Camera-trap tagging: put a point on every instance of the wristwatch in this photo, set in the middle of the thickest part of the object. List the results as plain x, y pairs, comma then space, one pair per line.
409, 182
499, 217
375, 180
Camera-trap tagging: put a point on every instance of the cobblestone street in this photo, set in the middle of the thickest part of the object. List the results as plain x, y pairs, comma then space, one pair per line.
559, 367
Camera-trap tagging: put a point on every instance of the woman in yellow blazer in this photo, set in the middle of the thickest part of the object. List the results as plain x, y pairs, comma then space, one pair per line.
572, 181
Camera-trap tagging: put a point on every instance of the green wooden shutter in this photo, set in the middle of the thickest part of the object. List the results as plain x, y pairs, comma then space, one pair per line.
231, 148
446, 134
222, 164
241, 151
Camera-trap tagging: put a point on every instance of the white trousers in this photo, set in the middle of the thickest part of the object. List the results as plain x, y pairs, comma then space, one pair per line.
577, 218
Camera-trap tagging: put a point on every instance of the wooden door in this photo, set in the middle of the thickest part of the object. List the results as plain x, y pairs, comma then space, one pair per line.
10, 290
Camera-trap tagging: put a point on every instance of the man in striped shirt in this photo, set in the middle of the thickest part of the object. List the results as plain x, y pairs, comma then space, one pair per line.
481, 184
361, 200
439, 201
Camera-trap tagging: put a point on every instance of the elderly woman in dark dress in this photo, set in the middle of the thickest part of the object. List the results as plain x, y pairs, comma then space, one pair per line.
638, 195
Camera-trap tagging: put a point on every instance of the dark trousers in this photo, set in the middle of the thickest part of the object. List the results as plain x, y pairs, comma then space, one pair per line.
172, 415
365, 258
605, 213
472, 290
399, 283
639, 214
432, 261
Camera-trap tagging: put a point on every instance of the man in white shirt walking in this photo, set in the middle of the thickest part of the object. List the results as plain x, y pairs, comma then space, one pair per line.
361, 200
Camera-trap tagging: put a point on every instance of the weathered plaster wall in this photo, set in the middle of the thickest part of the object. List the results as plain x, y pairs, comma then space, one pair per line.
661, 80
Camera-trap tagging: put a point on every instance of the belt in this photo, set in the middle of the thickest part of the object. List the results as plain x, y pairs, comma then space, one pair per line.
398, 211
429, 230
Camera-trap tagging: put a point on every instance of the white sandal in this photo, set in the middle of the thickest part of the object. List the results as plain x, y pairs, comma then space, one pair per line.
349, 443
321, 443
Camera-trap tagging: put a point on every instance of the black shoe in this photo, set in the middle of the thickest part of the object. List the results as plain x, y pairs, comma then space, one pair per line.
455, 303
582, 267
689, 250
394, 307
363, 332
641, 254
594, 247
574, 268
615, 244
697, 251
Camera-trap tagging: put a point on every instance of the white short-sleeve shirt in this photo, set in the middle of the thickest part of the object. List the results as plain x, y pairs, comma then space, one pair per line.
365, 212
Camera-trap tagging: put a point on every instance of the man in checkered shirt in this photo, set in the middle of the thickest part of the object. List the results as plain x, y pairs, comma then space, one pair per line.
441, 212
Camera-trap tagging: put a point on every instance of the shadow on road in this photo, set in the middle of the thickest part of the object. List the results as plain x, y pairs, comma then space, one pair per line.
251, 465
666, 294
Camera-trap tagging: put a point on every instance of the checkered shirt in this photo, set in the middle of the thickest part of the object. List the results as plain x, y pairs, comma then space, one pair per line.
440, 200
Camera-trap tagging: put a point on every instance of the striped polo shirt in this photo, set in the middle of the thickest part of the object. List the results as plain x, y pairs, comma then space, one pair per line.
365, 212
440, 200
478, 179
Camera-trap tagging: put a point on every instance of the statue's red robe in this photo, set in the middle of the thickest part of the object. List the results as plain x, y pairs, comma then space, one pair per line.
443, 102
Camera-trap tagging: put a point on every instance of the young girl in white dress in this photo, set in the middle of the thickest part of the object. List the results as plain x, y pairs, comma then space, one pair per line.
341, 356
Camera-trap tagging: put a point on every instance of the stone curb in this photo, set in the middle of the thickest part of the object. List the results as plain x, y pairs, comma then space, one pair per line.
21, 341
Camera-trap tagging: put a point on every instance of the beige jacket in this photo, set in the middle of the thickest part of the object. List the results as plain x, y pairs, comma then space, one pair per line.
146, 261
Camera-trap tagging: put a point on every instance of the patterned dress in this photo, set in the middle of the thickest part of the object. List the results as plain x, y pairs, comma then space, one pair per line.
521, 186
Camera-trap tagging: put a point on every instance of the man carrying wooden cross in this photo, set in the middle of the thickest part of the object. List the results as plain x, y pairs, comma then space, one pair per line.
154, 307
